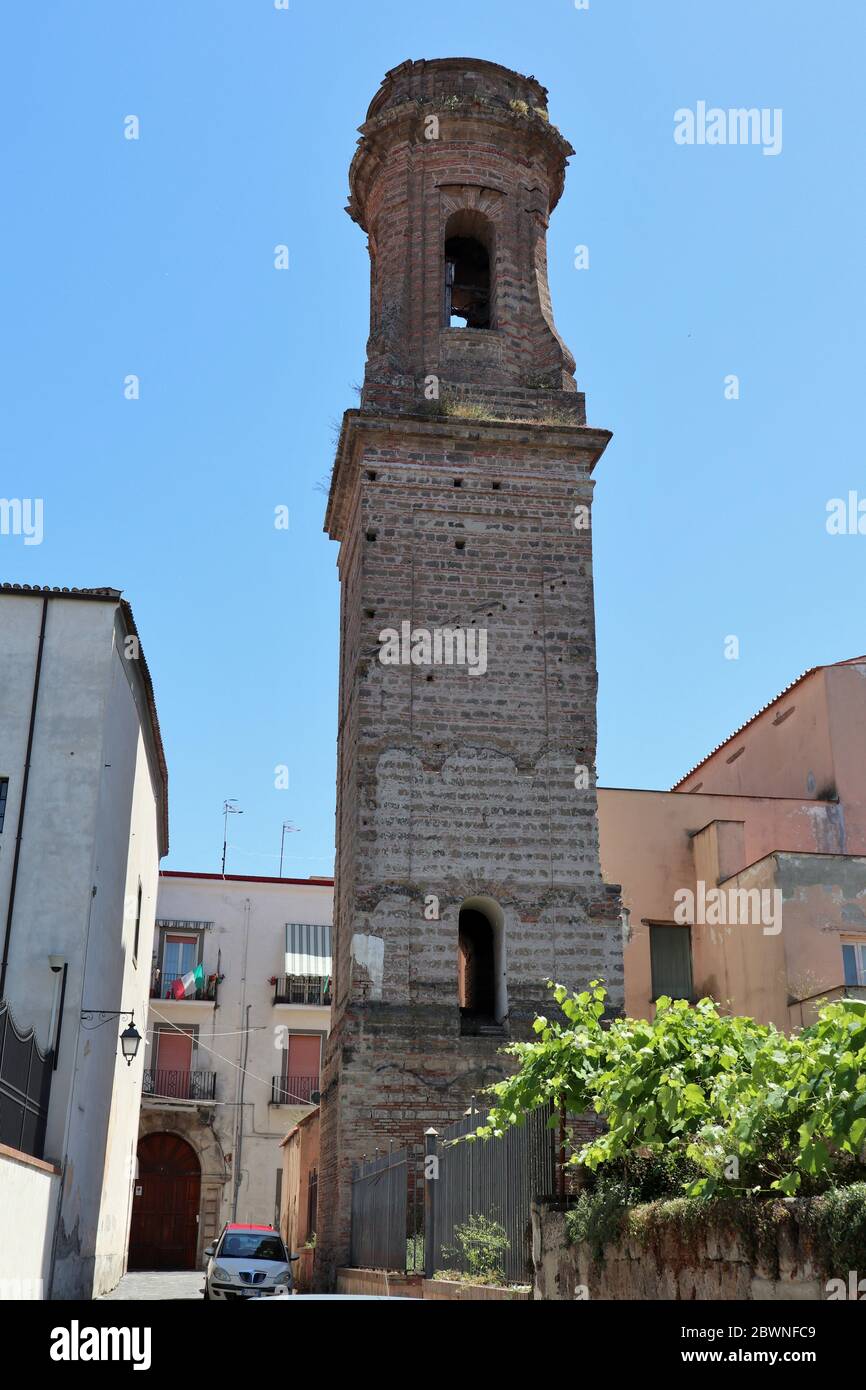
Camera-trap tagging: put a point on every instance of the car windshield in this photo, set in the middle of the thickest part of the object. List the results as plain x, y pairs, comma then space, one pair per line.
252, 1245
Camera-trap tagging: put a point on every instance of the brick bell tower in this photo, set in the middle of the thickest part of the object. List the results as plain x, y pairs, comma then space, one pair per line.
467, 868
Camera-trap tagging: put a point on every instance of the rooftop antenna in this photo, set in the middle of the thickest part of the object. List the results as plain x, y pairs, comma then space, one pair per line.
230, 808
288, 829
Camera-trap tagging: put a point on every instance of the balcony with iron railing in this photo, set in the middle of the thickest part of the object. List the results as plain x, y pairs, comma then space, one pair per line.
162, 986
301, 989
197, 1086
295, 1090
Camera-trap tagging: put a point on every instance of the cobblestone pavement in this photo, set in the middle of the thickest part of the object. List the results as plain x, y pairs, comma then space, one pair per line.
158, 1283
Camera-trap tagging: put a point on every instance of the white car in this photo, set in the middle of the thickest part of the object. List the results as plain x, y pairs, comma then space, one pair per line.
248, 1262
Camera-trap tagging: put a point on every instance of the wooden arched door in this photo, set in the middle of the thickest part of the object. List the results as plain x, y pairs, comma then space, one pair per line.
164, 1232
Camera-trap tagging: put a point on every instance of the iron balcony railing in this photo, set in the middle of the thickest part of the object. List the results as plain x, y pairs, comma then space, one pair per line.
301, 989
161, 987
294, 1090
180, 1085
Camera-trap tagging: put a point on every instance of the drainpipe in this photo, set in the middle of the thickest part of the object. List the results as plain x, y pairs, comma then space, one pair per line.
236, 1177
243, 1047
67, 1129
7, 939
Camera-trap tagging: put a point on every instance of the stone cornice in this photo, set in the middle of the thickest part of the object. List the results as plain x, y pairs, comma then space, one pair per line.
360, 428
406, 122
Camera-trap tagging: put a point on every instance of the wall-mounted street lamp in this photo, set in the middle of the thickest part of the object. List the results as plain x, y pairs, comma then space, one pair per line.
130, 1038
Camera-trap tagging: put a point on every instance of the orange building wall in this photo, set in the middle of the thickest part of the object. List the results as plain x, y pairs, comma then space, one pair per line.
649, 841
846, 707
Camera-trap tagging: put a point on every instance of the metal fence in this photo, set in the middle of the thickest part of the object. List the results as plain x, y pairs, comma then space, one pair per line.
461, 1205
381, 1206
494, 1180
25, 1085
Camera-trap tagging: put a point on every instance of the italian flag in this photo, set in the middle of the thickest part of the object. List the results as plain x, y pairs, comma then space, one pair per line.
188, 983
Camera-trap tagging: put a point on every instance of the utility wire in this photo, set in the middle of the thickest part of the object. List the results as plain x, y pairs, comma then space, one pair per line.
289, 1096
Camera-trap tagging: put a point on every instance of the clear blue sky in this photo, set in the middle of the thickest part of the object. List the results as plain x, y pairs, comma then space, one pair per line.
155, 257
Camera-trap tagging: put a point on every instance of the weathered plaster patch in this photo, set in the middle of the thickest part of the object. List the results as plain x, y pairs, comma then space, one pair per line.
845, 875
369, 951
828, 826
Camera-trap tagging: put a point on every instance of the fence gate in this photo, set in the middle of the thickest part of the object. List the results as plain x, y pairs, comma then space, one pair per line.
25, 1083
495, 1179
387, 1202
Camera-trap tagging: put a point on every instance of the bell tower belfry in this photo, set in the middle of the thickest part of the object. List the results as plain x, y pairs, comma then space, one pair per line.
467, 869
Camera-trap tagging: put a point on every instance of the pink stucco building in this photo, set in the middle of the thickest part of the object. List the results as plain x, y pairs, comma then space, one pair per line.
747, 881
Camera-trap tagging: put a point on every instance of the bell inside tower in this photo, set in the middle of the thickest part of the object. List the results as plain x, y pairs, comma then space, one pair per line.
467, 273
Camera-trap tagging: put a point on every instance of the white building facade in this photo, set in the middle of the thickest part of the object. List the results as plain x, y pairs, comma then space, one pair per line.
239, 1013
83, 800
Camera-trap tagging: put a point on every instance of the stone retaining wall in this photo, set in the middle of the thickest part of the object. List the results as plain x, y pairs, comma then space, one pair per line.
711, 1263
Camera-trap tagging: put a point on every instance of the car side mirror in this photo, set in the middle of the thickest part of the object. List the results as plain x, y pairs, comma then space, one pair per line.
209, 1251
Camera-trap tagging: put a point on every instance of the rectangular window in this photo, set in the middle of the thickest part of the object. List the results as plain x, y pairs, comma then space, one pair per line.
179, 957
137, 927
301, 1066
854, 962
174, 1072
671, 958
4, 789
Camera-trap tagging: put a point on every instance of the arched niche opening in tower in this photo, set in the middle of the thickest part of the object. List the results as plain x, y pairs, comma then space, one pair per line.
468, 245
481, 973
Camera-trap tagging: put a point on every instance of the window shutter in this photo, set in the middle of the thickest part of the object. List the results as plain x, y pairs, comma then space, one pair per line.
671, 957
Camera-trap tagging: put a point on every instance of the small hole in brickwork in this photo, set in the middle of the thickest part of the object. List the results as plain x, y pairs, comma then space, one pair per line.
371, 476
369, 612
429, 678
496, 486
371, 535
460, 545
458, 482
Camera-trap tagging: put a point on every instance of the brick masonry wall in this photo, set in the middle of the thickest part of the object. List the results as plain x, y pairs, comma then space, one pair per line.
454, 786
474, 141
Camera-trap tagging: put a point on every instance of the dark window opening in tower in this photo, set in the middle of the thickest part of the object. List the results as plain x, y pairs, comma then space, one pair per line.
467, 283
476, 991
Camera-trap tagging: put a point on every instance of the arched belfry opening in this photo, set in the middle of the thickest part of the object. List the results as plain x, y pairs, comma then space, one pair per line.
468, 279
481, 980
